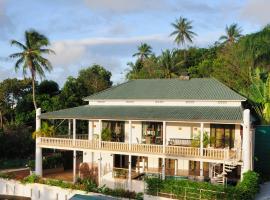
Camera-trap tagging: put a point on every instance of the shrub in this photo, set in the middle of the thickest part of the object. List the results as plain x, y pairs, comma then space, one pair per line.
249, 186
87, 185
7, 176
31, 179
246, 189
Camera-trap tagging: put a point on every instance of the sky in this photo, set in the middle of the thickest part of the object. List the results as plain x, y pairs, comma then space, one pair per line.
108, 32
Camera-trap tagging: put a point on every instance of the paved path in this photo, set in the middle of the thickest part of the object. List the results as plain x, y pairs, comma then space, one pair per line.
264, 192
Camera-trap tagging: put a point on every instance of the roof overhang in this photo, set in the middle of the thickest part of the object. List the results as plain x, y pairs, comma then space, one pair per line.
148, 113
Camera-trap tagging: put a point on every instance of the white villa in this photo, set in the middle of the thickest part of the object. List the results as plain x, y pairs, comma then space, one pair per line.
171, 128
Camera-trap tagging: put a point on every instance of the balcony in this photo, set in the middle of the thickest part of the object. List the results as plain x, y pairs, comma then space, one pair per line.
140, 149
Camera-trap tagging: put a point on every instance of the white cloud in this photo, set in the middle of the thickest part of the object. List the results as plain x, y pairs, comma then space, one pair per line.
66, 53
256, 11
112, 53
5, 22
125, 6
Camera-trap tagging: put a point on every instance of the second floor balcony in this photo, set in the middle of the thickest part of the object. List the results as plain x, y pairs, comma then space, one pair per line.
181, 150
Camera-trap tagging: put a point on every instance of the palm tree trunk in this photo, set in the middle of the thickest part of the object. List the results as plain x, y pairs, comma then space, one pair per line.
34, 90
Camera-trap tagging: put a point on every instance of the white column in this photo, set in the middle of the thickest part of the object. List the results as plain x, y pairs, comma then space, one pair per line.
74, 129
90, 137
69, 127
38, 164
143, 167
99, 132
90, 130
99, 169
246, 142
201, 148
164, 136
129, 134
163, 169
74, 166
38, 120
175, 167
129, 172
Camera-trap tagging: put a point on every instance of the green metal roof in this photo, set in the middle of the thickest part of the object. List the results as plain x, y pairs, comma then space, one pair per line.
193, 89
180, 113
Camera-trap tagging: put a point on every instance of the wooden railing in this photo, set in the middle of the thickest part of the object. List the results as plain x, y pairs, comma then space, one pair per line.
190, 152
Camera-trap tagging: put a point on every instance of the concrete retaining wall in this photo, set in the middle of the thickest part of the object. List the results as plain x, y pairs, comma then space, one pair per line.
38, 191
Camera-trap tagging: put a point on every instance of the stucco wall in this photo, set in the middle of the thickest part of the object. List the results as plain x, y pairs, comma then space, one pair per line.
38, 191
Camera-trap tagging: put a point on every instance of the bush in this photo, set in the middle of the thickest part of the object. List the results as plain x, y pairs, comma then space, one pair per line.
7, 176
84, 184
246, 189
31, 179
249, 186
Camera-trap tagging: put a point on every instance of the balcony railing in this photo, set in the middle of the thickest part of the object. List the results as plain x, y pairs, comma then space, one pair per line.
178, 151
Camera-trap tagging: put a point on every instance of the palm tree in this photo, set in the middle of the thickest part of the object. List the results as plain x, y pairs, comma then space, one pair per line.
183, 31
233, 33
144, 51
168, 62
30, 58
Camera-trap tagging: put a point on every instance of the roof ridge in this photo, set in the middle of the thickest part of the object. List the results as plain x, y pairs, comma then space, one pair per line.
108, 89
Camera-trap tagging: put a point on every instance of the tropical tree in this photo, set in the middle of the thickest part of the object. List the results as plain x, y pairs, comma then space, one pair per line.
232, 34
183, 31
144, 51
168, 63
31, 57
259, 94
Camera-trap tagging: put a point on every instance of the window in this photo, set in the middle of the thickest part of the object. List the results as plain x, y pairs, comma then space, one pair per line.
222, 135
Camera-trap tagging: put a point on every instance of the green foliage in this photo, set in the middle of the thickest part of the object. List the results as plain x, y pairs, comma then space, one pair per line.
259, 94
106, 134
183, 31
246, 189
249, 186
17, 136
7, 176
13, 163
45, 131
84, 184
31, 179
196, 140
30, 57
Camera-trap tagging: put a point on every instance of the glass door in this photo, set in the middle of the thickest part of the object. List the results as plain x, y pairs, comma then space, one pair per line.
222, 135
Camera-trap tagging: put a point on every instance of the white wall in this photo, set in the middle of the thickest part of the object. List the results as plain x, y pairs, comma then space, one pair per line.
38, 191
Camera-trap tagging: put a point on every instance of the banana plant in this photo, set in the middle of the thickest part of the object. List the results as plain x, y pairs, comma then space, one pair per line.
259, 94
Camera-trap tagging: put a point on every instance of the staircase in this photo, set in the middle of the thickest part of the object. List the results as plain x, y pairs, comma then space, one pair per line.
220, 178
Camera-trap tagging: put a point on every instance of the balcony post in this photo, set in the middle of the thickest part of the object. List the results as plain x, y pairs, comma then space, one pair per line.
38, 155
130, 134
69, 127
90, 130
74, 131
175, 167
246, 142
74, 166
201, 148
164, 136
99, 169
129, 172
99, 132
143, 167
163, 169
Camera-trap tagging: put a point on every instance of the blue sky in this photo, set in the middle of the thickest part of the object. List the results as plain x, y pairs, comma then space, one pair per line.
107, 32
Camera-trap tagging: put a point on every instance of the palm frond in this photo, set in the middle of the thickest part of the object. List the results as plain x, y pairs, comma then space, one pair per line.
18, 44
